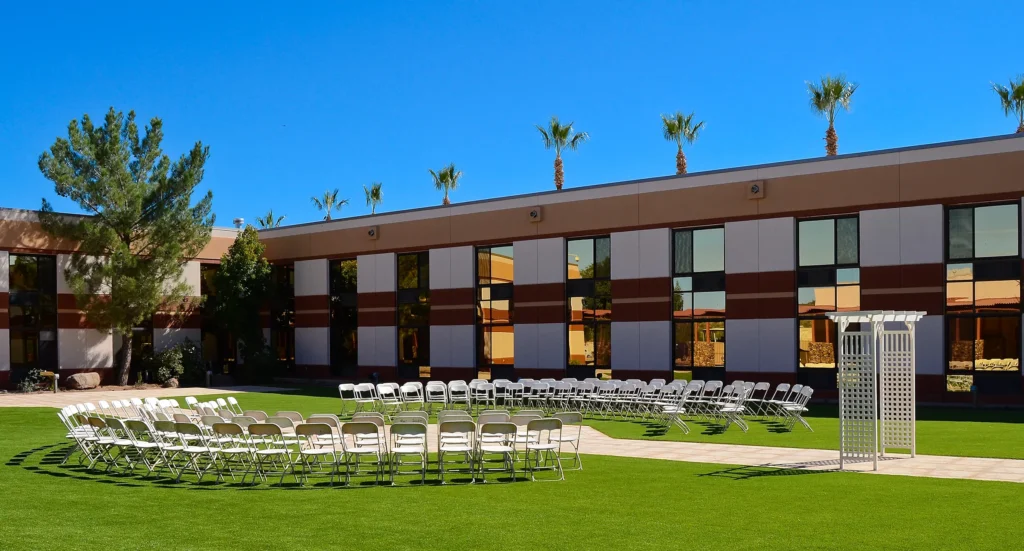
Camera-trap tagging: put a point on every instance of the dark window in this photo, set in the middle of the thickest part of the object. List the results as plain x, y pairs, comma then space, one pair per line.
32, 313
828, 280
983, 308
588, 290
344, 318
218, 344
698, 298
282, 315
413, 314
494, 310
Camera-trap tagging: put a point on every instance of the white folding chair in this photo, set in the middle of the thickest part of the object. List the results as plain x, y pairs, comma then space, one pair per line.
545, 451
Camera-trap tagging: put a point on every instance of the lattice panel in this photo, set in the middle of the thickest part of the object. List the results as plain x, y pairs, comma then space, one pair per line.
896, 381
858, 437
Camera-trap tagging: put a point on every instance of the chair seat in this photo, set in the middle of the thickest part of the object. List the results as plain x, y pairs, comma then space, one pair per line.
364, 450
272, 451
458, 448
533, 446
409, 449
317, 451
145, 445
565, 438
123, 442
496, 448
198, 449
236, 450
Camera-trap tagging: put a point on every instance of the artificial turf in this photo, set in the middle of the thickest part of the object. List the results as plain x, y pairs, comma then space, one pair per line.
940, 431
615, 502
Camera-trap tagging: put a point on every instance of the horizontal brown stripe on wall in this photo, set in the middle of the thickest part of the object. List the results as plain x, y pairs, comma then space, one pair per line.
73, 320
642, 311
312, 302
760, 282
169, 321
554, 313
376, 318
312, 319
541, 292
452, 297
910, 275
741, 309
5, 320
931, 303
641, 288
452, 316
4, 300
376, 300
761, 307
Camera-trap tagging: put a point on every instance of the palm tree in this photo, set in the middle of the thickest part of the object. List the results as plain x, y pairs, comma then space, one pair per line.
1012, 98
374, 196
680, 128
560, 137
328, 202
268, 221
832, 93
446, 179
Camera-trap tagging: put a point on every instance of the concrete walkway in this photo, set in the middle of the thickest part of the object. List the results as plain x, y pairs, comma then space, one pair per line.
61, 399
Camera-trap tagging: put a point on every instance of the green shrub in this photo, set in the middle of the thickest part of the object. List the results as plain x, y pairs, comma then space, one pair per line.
30, 381
193, 373
165, 365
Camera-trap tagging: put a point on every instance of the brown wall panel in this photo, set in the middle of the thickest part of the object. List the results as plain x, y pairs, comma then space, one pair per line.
452, 316
341, 243
377, 317
452, 297
594, 216
312, 319
951, 178
215, 248
505, 225
376, 300
418, 234
683, 206
542, 292
312, 302
831, 190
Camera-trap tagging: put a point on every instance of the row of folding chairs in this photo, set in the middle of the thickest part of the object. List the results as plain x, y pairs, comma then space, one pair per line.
321, 445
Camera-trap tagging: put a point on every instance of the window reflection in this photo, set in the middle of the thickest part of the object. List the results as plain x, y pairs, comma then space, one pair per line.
709, 250
997, 296
816, 300
817, 343
817, 242
589, 301
995, 231
698, 297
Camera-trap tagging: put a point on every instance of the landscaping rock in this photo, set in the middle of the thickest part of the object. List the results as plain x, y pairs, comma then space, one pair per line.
82, 381
171, 383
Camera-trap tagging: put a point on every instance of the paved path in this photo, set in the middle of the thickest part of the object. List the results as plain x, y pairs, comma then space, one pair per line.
61, 399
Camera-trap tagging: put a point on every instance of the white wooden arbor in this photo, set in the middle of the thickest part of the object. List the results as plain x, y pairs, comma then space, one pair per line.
876, 384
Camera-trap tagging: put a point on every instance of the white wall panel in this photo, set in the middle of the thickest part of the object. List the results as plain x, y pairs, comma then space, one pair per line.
524, 269
776, 345
625, 256
366, 274
655, 345
386, 346
311, 277
655, 253
463, 346
625, 343
550, 346
441, 345
440, 270
742, 345
551, 260
312, 345
929, 345
921, 235
462, 267
367, 351
385, 272
164, 338
526, 345
741, 250
880, 237
5, 349
776, 244
84, 349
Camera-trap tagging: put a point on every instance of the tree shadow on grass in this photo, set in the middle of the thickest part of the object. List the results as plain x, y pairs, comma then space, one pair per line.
759, 471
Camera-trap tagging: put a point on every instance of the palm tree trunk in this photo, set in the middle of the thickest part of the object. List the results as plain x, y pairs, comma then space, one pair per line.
831, 141
446, 201
1020, 129
559, 175
125, 362
373, 209
680, 162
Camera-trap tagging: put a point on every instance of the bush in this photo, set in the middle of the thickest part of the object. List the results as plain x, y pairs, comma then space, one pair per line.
165, 365
193, 373
30, 381
258, 365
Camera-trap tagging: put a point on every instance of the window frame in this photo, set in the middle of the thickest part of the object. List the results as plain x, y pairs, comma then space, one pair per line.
505, 291
707, 282
585, 368
411, 296
1011, 263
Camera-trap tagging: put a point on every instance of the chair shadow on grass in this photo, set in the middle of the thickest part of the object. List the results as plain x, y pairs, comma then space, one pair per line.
758, 471
654, 429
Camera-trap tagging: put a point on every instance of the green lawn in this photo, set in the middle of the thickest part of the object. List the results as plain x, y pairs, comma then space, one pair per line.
620, 503
940, 431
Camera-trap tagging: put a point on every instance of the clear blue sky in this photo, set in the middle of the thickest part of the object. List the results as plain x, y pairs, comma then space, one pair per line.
293, 100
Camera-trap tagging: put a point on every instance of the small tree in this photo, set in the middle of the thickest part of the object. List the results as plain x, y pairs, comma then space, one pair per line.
560, 136
826, 98
680, 128
446, 180
142, 226
243, 288
328, 202
268, 220
374, 196
1011, 98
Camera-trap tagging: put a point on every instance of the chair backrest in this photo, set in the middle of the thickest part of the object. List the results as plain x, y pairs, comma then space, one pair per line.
210, 420
295, 416
451, 415
462, 428
347, 391
523, 419
225, 413
327, 418
243, 421
265, 429
166, 427
313, 429
410, 416
222, 402
408, 429
545, 429
256, 414
227, 429
569, 417
355, 429
282, 422
181, 418
493, 417
190, 429
499, 428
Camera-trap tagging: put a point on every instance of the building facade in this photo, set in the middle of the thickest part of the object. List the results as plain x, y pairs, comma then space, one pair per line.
725, 274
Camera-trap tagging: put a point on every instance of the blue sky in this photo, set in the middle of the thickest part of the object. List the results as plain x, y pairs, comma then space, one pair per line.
293, 100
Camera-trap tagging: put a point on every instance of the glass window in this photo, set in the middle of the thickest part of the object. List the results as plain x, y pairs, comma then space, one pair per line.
698, 251
698, 298
344, 317
817, 242
961, 233
589, 303
282, 314
847, 241
413, 315
494, 310
989, 231
32, 313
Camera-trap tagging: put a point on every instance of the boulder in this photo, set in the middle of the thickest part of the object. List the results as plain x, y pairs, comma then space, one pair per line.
171, 383
82, 381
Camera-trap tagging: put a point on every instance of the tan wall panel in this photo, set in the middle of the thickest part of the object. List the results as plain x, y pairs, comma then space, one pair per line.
980, 175
215, 248
677, 207
18, 234
416, 234
597, 215
348, 242
831, 190
506, 225
293, 246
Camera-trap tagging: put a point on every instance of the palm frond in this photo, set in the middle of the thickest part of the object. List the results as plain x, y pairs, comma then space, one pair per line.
547, 137
576, 139
670, 126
